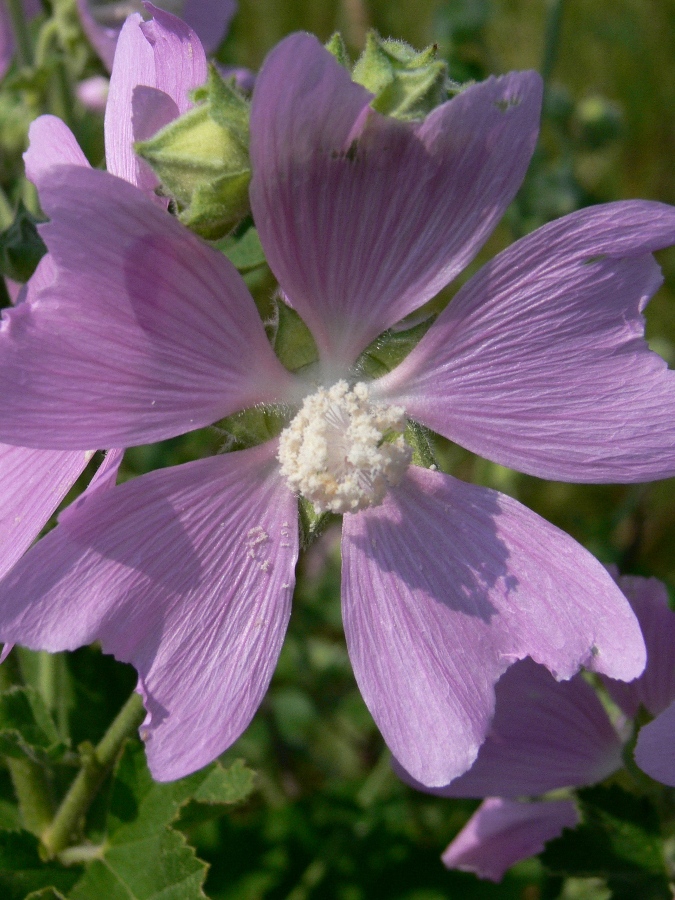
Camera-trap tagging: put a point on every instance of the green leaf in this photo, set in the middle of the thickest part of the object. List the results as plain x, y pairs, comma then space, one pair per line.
144, 857
48, 893
23, 871
619, 839
226, 786
21, 247
26, 727
244, 251
149, 866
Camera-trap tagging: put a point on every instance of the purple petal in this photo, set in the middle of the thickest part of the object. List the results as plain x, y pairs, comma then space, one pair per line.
93, 93
102, 39
655, 748
32, 484
501, 833
163, 54
363, 218
655, 688
146, 332
210, 19
51, 143
445, 585
540, 364
546, 734
180, 61
187, 573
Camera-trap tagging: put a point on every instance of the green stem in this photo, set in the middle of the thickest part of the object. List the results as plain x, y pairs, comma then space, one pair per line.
29, 779
6, 211
552, 40
96, 765
24, 47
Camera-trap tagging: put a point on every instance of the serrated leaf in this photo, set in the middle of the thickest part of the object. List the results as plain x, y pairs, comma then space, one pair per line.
142, 806
49, 893
226, 786
22, 871
26, 727
136, 867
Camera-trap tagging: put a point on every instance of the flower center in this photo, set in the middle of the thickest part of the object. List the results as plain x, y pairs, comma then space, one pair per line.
341, 451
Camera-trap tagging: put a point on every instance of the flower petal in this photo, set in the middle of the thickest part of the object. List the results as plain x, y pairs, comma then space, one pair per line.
103, 39
501, 833
546, 734
146, 332
187, 573
210, 19
445, 585
540, 364
51, 143
164, 54
180, 61
32, 484
655, 748
655, 688
363, 218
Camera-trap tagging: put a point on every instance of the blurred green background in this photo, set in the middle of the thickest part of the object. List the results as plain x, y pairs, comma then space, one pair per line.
329, 820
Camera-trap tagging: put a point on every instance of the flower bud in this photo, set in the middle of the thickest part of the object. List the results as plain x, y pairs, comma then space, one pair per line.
202, 159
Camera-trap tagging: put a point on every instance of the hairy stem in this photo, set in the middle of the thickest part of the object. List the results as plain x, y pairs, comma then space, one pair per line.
95, 766
29, 780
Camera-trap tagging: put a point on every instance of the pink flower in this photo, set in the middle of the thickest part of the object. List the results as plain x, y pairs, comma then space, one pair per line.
547, 735
164, 59
503, 832
147, 332
102, 21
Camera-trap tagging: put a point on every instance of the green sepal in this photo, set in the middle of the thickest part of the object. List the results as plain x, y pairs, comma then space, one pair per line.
291, 338
312, 523
21, 247
389, 349
336, 46
202, 158
407, 84
26, 727
419, 438
251, 427
243, 248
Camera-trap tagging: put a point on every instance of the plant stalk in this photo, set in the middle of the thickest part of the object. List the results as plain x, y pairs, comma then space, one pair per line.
95, 766
24, 47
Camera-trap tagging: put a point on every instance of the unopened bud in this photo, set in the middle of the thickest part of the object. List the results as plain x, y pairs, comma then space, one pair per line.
202, 159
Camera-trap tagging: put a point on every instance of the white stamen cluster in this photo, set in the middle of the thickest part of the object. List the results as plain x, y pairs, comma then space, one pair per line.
336, 452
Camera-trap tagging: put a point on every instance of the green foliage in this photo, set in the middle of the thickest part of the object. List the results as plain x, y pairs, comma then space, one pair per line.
26, 727
619, 840
143, 857
22, 870
21, 247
